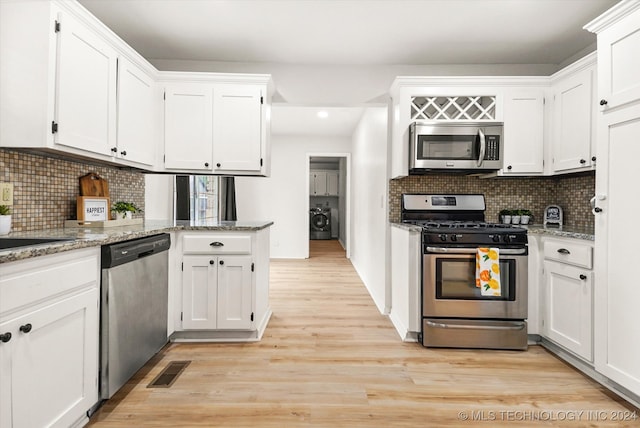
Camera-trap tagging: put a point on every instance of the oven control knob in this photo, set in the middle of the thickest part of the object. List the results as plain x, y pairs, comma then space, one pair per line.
443, 237
495, 238
506, 238
454, 238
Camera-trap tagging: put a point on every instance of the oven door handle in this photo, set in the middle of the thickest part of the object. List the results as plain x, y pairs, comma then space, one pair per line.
519, 326
505, 251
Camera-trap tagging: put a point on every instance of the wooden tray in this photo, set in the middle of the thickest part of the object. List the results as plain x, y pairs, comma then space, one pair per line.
79, 224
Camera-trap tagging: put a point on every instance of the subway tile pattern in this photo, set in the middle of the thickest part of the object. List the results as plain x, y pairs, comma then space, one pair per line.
571, 192
45, 188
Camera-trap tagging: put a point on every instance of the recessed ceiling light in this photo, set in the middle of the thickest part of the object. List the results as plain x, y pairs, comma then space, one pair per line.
322, 114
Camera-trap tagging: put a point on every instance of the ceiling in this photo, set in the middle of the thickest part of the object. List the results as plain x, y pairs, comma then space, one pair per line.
346, 52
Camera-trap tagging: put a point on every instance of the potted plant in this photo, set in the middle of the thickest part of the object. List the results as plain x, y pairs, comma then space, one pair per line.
125, 210
5, 220
505, 216
525, 216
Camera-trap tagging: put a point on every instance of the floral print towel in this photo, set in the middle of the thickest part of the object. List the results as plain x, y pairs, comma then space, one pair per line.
488, 271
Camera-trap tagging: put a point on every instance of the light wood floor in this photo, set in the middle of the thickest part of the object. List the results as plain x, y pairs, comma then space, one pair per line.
330, 359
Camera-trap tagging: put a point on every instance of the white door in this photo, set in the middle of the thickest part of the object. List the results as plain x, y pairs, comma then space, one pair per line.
138, 120
85, 106
617, 319
199, 288
52, 369
188, 127
573, 122
237, 128
619, 62
569, 301
523, 132
234, 292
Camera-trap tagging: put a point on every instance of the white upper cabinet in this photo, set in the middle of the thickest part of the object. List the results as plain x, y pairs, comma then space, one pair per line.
138, 118
188, 127
523, 132
85, 108
573, 120
214, 126
618, 58
237, 128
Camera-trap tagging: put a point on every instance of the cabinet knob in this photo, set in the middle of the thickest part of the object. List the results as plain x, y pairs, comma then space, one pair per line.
597, 209
206, 164
509, 167
583, 161
604, 102
211, 262
218, 165
583, 277
593, 158
123, 153
114, 149
26, 328
4, 338
221, 262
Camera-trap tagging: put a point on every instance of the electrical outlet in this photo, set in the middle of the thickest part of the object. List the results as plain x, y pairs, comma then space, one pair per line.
6, 194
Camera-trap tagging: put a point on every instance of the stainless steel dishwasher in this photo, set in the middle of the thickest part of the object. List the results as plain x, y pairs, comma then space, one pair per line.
134, 307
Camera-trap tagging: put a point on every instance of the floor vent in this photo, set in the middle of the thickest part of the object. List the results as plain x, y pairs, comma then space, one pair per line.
169, 375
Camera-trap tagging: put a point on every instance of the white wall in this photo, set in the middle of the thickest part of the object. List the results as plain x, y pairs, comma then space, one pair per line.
158, 197
369, 202
284, 196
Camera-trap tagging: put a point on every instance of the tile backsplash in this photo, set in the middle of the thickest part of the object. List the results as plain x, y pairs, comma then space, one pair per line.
45, 188
571, 192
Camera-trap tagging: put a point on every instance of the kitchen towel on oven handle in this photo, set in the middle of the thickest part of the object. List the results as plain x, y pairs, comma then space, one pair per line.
488, 271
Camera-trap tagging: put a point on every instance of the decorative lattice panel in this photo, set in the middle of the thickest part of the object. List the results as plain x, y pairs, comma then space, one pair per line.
454, 108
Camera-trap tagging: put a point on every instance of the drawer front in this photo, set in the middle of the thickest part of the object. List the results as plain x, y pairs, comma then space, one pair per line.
31, 281
216, 244
571, 252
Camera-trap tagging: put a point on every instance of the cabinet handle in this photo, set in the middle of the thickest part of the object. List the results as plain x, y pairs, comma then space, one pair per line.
563, 251
218, 165
583, 161
593, 158
211, 262
597, 210
583, 277
509, 167
123, 153
216, 244
221, 262
4, 338
114, 149
604, 102
26, 328
206, 164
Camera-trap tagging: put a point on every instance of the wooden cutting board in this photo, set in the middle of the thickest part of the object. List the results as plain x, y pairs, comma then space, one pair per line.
93, 185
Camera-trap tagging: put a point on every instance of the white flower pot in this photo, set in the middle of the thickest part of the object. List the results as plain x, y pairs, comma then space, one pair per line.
506, 219
525, 219
5, 224
515, 219
124, 216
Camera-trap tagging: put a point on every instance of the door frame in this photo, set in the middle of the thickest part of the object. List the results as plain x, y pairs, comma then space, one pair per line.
347, 197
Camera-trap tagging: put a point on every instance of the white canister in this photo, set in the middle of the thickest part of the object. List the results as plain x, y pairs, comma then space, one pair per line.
5, 224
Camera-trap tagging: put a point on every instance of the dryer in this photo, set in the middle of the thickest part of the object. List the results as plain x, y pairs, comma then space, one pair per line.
320, 223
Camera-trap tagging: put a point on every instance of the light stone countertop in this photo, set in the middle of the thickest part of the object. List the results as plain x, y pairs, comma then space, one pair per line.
76, 238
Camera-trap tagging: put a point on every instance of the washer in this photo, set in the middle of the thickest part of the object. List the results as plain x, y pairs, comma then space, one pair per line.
320, 223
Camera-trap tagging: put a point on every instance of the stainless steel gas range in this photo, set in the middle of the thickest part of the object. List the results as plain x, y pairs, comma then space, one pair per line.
458, 309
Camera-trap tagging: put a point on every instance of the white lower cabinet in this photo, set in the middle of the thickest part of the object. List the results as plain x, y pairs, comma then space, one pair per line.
49, 340
224, 285
567, 295
216, 292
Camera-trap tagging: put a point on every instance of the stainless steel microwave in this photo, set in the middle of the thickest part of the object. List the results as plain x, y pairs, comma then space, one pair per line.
455, 146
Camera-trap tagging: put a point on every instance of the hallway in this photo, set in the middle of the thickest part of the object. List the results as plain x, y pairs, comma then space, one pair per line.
330, 359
